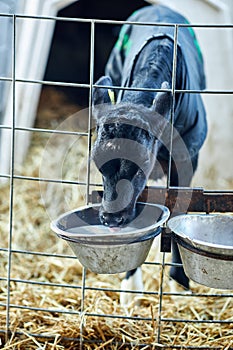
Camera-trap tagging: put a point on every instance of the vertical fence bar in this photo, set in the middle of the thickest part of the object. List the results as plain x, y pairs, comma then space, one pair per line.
174, 65
92, 46
82, 306
160, 298
11, 194
173, 87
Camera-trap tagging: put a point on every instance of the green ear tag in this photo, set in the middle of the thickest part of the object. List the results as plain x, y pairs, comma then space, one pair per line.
111, 96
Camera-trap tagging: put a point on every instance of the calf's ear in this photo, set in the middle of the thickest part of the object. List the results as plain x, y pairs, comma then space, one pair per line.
101, 94
163, 101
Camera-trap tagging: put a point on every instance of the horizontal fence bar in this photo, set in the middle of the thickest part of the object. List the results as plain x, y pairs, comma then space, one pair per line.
48, 131
117, 290
47, 180
117, 22
87, 86
123, 317
121, 344
50, 255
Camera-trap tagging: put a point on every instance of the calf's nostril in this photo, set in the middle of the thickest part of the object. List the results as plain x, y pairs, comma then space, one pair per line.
120, 220
104, 218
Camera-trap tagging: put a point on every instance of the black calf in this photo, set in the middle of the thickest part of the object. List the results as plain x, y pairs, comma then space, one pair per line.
132, 134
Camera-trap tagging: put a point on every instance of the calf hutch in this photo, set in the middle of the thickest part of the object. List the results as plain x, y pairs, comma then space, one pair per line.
55, 291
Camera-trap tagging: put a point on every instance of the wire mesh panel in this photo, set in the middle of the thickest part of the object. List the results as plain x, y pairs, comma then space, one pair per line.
47, 299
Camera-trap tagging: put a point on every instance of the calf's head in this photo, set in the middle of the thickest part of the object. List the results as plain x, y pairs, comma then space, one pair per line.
125, 150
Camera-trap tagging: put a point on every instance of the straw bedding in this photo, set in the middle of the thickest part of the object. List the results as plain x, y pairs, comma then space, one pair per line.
51, 329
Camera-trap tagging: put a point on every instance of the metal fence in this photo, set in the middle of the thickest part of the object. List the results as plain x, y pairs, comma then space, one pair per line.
203, 201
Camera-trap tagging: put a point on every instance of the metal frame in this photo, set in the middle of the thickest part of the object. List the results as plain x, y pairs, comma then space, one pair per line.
201, 201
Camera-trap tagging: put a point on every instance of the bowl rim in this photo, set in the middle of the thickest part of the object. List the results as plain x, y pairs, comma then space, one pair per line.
147, 237
117, 236
197, 243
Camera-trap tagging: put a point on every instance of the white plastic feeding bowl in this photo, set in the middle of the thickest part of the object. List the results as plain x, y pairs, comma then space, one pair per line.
206, 247
103, 251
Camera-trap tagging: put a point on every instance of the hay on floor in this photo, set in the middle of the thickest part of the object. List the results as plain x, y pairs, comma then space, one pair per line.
53, 327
